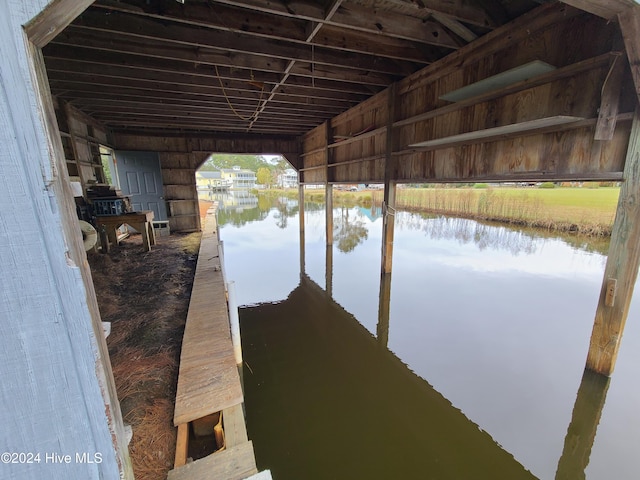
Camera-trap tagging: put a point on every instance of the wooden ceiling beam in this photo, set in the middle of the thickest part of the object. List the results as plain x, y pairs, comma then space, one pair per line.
456, 9
130, 45
358, 42
85, 57
229, 119
383, 22
71, 89
124, 75
456, 27
236, 19
191, 112
88, 99
181, 126
246, 40
118, 22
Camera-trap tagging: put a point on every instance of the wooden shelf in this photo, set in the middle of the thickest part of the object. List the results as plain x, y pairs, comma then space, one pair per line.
503, 131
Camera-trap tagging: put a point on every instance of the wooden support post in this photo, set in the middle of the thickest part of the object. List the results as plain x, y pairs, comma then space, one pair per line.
388, 207
584, 424
301, 220
328, 184
629, 21
182, 445
382, 330
622, 265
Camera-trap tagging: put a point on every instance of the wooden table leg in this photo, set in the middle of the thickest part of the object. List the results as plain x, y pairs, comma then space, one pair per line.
146, 240
112, 235
152, 233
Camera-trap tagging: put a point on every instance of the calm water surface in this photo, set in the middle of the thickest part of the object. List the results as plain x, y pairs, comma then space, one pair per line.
468, 364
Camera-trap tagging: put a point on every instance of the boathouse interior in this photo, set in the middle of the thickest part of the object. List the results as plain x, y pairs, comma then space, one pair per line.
360, 91
348, 91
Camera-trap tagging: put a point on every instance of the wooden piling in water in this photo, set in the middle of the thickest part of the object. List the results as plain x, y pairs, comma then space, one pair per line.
621, 270
389, 203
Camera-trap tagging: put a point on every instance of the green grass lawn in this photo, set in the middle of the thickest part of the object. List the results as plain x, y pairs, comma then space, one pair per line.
603, 198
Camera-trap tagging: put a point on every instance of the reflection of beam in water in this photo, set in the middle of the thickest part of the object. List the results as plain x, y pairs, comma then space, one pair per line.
301, 226
323, 400
382, 330
582, 429
328, 278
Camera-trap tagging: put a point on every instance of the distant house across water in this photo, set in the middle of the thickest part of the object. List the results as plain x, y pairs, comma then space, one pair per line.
212, 181
288, 179
240, 178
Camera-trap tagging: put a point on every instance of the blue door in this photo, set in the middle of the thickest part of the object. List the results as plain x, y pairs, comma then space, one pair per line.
141, 179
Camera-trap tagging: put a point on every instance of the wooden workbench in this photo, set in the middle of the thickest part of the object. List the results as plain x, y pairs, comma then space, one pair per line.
142, 221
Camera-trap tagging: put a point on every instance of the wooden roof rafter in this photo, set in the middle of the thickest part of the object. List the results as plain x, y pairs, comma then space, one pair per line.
315, 58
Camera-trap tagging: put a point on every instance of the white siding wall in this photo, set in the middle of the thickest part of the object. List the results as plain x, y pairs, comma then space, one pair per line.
52, 379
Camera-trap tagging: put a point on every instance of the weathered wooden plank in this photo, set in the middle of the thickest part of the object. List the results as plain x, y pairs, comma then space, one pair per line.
622, 265
208, 380
561, 73
53, 19
54, 372
630, 26
610, 100
390, 175
235, 430
182, 445
234, 463
503, 131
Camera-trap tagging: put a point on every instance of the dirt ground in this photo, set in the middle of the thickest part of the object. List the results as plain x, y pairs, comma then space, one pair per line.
146, 297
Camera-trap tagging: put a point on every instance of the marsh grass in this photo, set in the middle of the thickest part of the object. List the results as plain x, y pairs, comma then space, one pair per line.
145, 295
587, 211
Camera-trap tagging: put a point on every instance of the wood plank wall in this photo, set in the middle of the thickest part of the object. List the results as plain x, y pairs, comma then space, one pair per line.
577, 43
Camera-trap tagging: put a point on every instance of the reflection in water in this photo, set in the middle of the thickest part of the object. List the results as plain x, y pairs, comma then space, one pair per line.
470, 232
324, 401
512, 239
384, 307
584, 423
328, 278
501, 337
349, 232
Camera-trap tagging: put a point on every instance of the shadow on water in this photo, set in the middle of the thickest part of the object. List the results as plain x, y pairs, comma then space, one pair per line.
325, 399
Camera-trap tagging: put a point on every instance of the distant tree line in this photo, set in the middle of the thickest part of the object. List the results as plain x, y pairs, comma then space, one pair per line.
266, 170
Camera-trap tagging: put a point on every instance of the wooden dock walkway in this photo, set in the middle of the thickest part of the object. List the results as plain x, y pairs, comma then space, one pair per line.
208, 378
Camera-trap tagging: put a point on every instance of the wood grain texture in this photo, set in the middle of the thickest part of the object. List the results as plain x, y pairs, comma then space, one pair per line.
182, 445
208, 379
480, 145
622, 265
54, 362
53, 19
630, 26
234, 463
235, 429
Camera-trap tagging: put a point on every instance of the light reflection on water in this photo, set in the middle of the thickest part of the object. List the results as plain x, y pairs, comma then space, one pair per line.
495, 319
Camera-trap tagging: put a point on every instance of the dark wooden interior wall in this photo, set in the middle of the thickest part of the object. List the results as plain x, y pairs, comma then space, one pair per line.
351, 147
